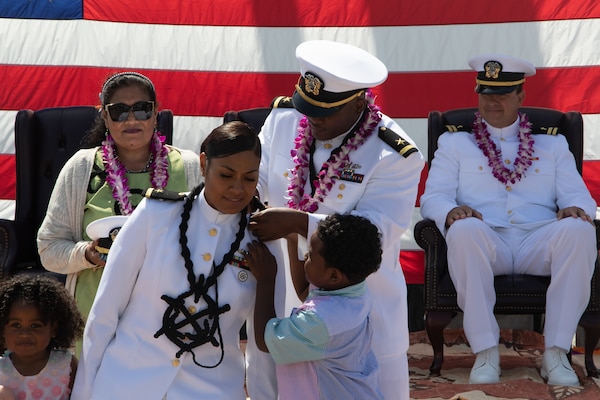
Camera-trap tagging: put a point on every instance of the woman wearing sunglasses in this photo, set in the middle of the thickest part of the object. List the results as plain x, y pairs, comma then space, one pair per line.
123, 156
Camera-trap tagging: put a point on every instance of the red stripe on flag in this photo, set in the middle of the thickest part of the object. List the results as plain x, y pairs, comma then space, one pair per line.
591, 176
413, 266
7, 177
403, 95
335, 13
424, 174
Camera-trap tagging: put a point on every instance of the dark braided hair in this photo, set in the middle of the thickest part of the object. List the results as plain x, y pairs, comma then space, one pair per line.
53, 301
96, 134
351, 244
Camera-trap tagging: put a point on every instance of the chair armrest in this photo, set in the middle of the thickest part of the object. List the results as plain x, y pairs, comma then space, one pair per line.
429, 237
437, 278
8, 247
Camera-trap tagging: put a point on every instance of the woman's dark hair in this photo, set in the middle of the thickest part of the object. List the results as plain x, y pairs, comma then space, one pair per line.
231, 138
351, 244
96, 134
54, 302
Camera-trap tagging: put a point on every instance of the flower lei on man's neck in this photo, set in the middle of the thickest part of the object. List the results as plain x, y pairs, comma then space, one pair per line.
331, 169
115, 171
524, 153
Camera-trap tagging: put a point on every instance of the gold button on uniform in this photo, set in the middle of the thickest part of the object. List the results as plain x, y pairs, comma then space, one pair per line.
192, 309
206, 257
508, 188
340, 196
480, 168
342, 186
212, 232
327, 145
175, 362
537, 171
507, 161
285, 174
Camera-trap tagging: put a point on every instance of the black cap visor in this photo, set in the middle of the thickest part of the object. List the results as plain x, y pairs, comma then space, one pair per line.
484, 89
311, 110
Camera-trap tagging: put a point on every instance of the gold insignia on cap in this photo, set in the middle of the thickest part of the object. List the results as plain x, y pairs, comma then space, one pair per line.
113, 233
492, 69
312, 84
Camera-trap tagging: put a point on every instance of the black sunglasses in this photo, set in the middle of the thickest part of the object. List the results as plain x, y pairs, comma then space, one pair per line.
119, 112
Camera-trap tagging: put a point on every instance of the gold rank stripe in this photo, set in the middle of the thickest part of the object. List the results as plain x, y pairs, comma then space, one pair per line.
406, 149
553, 130
499, 83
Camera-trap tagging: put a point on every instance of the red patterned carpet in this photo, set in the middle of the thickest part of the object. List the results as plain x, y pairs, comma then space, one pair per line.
520, 359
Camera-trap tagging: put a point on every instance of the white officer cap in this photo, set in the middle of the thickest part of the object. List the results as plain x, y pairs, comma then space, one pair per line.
500, 73
332, 74
102, 227
105, 230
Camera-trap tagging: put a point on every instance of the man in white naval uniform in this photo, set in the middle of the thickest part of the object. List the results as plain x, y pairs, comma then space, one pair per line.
329, 149
508, 202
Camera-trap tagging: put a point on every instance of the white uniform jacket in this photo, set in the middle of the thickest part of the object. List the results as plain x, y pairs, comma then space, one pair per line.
382, 188
460, 175
122, 358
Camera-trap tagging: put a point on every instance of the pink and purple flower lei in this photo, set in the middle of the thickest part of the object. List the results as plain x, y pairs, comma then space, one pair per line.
331, 169
524, 153
115, 171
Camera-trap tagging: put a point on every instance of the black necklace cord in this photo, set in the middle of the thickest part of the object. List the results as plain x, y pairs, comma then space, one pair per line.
204, 324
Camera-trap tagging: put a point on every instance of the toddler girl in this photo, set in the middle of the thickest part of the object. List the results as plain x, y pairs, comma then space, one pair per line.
39, 322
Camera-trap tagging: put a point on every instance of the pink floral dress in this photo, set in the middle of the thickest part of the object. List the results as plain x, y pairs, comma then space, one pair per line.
52, 383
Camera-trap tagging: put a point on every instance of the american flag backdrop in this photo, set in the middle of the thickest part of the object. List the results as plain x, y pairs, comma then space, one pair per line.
208, 57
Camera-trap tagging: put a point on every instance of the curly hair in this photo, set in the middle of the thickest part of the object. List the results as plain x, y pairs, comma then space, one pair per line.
53, 301
351, 244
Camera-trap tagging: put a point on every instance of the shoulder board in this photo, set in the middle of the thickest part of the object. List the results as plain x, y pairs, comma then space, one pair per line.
161, 194
402, 146
456, 128
551, 130
282, 102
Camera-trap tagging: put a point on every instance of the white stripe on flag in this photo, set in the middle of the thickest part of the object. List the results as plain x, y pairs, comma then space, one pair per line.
260, 49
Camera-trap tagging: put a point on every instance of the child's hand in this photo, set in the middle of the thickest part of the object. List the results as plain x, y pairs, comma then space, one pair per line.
260, 261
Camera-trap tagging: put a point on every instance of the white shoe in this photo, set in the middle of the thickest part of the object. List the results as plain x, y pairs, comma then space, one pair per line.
486, 368
557, 369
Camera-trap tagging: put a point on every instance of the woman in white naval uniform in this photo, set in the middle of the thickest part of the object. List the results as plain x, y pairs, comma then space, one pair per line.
175, 292
532, 217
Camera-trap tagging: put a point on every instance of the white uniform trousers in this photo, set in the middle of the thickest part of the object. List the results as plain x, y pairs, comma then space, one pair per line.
393, 377
565, 250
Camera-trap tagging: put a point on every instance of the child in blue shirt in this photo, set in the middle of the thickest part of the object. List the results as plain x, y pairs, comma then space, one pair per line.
323, 350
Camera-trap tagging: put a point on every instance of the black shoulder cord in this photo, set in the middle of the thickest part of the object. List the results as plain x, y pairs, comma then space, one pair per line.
204, 323
311, 164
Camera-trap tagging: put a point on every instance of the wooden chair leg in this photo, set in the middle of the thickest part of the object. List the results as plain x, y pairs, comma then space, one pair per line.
590, 322
538, 323
435, 322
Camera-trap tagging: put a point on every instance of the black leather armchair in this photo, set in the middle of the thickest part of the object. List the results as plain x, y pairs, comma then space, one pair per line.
515, 294
44, 140
255, 117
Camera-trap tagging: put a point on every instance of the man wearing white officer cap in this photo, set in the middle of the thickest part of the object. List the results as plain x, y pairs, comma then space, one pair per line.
511, 201
329, 149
